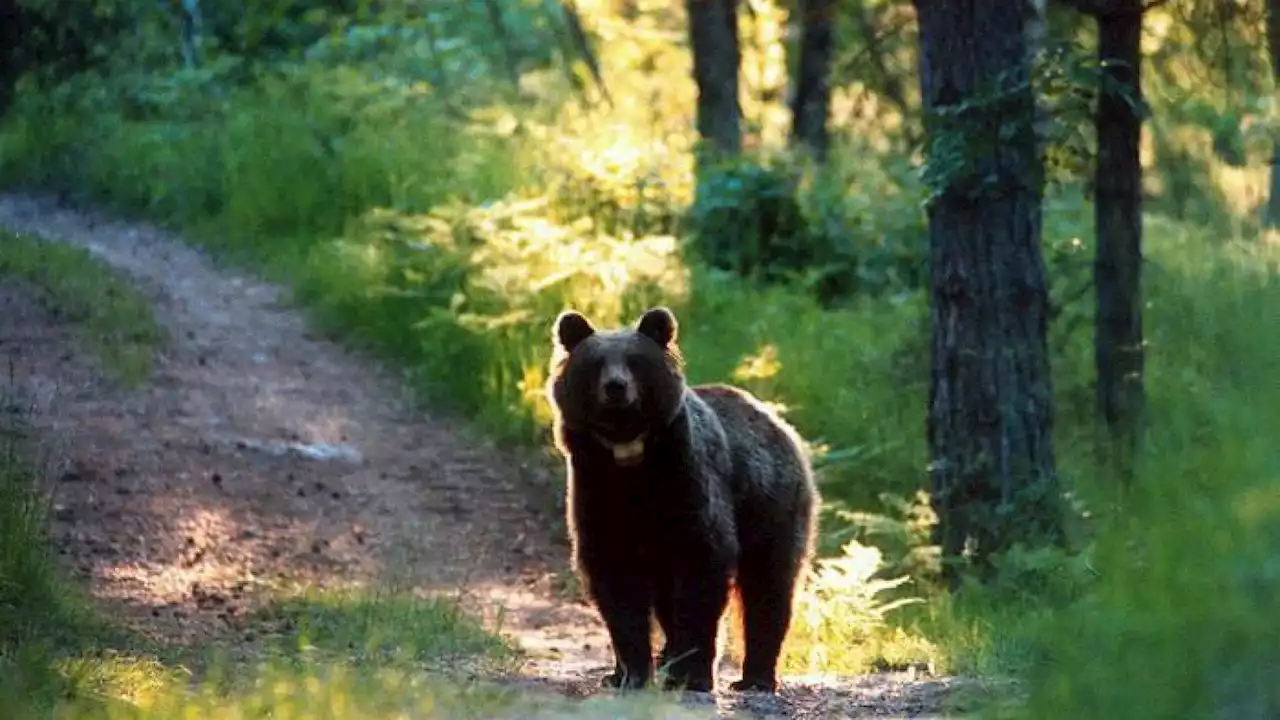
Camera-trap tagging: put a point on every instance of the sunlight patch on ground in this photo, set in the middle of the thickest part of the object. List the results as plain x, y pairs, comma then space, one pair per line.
159, 584
554, 632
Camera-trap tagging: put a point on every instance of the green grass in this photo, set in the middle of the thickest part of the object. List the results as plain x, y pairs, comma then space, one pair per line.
381, 625
113, 321
1183, 607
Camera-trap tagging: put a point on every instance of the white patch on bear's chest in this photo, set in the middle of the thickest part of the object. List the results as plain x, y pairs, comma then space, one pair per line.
629, 454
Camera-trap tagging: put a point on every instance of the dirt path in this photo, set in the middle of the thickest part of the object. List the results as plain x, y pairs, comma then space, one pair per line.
182, 498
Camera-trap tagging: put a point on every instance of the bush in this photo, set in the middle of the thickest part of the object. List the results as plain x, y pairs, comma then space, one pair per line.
815, 230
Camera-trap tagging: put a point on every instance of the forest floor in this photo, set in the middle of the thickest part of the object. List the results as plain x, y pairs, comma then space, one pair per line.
259, 454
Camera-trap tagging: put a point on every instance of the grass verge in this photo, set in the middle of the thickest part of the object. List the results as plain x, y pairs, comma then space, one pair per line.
113, 321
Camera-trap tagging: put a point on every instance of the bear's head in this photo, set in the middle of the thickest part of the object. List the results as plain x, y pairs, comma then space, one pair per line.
617, 385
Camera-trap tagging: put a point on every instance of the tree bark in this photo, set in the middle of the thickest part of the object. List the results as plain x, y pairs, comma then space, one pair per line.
811, 105
990, 399
10, 64
510, 60
1271, 218
713, 35
1117, 270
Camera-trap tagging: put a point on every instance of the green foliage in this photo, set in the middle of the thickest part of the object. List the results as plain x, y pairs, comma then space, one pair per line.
842, 622
59, 39
380, 627
813, 229
1186, 573
747, 221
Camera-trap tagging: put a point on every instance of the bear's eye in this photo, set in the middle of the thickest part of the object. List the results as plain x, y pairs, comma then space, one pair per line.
592, 366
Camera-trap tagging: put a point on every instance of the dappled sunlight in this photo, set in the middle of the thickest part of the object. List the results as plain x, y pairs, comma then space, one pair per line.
171, 579
841, 628
192, 499
533, 254
1258, 508
761, 366
877, 122
519, 256
1244, 188
757, 373
141, 683
553, 629
533, 393
764, 73
625, 163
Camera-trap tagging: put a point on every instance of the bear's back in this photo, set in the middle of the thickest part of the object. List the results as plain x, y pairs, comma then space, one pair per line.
764, 448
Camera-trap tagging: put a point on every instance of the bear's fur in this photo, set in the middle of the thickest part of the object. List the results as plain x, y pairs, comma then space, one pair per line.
676, 495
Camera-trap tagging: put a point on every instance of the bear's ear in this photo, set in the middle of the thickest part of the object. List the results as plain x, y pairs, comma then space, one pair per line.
572, 328
660, 325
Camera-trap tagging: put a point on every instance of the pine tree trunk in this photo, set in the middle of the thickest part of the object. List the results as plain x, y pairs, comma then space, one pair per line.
10, 67
1272, 215
510, 60
713, 35
1118, 343
812, 102
990, 400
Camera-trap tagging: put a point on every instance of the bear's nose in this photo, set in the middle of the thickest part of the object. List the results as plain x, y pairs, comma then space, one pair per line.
615, 391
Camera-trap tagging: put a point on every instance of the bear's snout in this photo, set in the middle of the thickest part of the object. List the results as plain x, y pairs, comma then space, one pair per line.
617, 387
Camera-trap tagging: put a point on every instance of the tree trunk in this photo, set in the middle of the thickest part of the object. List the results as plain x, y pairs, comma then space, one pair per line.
1117, 268
10, 65
990, 399
510, 61
192, 24
713, 34
811, 105
1272, 216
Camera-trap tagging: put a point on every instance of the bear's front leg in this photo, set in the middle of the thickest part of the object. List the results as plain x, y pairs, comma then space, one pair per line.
624, 604
697, 600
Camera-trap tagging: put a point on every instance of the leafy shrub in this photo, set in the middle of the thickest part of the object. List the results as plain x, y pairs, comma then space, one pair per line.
747, 220
841, 619
771, 222
480, 286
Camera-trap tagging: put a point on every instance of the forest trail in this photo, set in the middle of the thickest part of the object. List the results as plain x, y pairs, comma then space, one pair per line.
259, 453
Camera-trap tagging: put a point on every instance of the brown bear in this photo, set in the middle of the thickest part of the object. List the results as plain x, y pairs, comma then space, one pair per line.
677, 496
